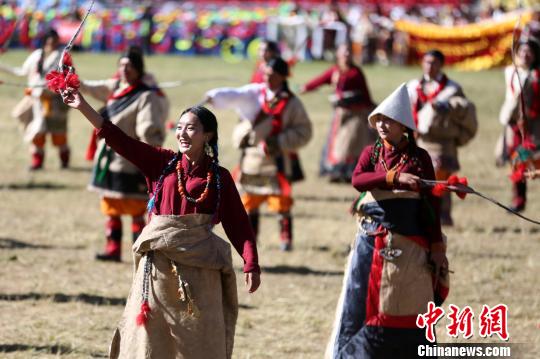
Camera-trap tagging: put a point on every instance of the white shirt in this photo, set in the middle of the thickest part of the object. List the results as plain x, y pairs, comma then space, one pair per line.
246, 100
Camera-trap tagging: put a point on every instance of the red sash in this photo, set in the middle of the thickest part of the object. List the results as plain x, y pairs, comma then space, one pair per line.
275, 108
124, 92
422, 98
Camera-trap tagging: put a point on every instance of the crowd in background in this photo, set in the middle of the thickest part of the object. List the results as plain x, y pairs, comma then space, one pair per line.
310, 30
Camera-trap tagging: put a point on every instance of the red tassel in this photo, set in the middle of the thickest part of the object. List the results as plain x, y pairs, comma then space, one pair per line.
438, 190
453, 180
142, 317
465, 182
72, 80
518, 174
67, 59
57, 81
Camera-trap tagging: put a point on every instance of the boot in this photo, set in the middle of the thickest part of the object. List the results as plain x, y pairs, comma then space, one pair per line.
113, 251
254, 221
64, 157
285, 232
519, 190
37, 161
113, 248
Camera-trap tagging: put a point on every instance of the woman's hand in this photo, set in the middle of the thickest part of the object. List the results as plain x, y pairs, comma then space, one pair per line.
409, 180
72, 98
439, 260
253, 280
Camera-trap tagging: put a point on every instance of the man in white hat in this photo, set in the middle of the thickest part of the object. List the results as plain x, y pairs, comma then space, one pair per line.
445, 118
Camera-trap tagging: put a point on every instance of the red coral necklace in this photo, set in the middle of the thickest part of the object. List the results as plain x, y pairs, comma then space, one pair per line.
182, 186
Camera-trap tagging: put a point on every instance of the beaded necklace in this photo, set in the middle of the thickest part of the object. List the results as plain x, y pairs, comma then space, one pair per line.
182, 186
401, 163
376, 157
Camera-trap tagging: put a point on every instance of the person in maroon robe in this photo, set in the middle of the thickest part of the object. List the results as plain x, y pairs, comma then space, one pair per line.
349, 132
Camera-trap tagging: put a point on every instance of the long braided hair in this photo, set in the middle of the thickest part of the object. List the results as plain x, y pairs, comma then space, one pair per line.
209, 123
50, 34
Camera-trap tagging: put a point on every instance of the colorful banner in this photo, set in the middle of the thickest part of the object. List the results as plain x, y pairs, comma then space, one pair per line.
470, 47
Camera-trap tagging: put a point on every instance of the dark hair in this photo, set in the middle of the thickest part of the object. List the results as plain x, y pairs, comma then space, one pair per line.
436, 54
412, 140
49, 34
135, 56
135, 48
535, 47
278, 65
272, 46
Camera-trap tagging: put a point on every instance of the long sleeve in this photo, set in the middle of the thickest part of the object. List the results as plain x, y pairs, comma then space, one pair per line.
433, 220
150, 160
324, 79
510, 107
98, 89
364, 178
26, 67
236, 223
244, 100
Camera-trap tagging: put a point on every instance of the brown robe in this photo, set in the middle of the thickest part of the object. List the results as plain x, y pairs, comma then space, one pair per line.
171, 331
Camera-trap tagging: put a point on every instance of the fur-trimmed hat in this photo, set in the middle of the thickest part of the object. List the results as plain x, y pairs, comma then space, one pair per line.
397, 107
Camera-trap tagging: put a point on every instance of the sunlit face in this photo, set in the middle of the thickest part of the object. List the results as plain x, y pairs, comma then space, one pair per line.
190, 135
389, 130
264, 53
431, 66
50, 44
273, 80
127, 71
525, 56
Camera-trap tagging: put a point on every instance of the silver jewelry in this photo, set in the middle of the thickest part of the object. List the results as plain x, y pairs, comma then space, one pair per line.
388, 252
208, 150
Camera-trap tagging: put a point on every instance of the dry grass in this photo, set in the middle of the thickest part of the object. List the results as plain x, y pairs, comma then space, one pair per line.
56, 300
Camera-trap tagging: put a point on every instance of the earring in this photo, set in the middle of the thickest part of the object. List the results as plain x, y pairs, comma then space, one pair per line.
208, 150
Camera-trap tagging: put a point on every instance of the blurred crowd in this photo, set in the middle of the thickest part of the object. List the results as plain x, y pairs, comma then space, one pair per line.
312, 30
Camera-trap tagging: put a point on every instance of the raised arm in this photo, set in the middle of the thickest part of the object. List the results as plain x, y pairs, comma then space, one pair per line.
233, 97
98, 89
324, 79
26, 67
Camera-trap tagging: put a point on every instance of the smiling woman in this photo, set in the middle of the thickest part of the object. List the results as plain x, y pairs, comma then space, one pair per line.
192, 136
183, 300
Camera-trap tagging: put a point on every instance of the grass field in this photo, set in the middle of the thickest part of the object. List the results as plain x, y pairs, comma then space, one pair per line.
55, 299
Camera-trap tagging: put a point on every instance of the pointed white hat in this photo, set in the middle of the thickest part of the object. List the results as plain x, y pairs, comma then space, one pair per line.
397, 106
